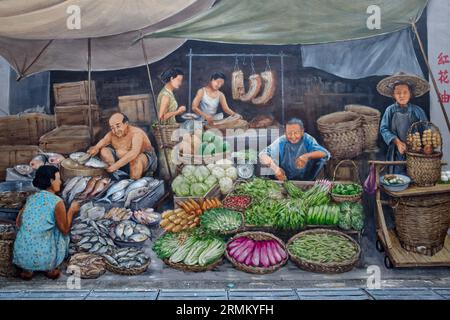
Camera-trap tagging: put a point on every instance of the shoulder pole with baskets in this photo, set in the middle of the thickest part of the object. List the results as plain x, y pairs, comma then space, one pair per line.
159, 124
423, 169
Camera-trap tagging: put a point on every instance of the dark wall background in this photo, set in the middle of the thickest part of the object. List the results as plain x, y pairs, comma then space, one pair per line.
309, 93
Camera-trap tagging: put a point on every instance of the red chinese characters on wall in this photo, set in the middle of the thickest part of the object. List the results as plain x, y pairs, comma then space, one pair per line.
443, 61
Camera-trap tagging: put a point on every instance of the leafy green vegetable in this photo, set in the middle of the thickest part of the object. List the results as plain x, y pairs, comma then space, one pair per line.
347, 189
220, 219
292, 190
260, 189
201, 173
198, 189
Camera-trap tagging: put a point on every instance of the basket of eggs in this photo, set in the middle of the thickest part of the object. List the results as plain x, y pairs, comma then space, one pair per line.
424, 153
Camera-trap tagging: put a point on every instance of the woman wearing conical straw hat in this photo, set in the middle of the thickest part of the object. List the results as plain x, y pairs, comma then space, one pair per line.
399, 117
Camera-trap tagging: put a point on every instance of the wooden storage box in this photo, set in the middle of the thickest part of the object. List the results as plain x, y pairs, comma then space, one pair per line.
11, 156
74, 93
68, 139
137, 108
76, 115
25, 129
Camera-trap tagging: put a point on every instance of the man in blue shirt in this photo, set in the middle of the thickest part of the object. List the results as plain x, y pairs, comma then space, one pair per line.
296, 155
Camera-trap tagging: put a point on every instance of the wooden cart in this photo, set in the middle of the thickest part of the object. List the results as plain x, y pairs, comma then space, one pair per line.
388, 242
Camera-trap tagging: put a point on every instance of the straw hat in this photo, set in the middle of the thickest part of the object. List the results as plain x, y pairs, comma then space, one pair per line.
418, 85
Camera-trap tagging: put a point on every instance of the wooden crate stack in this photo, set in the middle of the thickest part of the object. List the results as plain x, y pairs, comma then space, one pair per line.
137, 109
19, 138
72, 119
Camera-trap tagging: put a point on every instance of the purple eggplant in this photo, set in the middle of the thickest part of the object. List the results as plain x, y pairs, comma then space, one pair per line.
236, 242
270, 254
245, 253
236, 248
256, 254
280, 250
264, 259
241, 249
275, 252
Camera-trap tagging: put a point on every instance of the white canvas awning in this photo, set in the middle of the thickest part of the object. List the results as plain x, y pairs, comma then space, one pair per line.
34, 36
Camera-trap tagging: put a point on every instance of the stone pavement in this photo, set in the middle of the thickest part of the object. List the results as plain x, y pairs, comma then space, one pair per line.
231, 294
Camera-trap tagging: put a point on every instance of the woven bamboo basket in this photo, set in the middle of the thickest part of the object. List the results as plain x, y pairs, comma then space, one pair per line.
7, 269
340, 267
342, 134
422, 222
256, 236
370, 119
343, 198
127, 272
423, 169
185, 268
164, 133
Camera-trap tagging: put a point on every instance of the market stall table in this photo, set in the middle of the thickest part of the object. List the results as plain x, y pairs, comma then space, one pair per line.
396, 256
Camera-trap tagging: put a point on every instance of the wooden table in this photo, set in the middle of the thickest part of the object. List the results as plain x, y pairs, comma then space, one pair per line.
395, 255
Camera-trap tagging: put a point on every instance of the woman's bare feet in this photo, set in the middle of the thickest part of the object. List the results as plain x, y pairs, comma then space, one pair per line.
53, 274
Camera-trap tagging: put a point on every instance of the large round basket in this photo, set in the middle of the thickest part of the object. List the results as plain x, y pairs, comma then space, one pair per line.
424, 169
340, 267
370, 118
186, 268
164, 135
256, 235
70, 169
341, 133
7, 269
422, 222
127, 272
343, 198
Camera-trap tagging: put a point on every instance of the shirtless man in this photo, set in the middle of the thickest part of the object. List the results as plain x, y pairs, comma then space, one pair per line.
126, 147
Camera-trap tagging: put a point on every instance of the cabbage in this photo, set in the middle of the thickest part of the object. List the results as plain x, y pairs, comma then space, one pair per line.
198, 189
188, 171
231, 173
210, 166
218, 172
211, 181
180, 187
201, 173
224, 163
226, 185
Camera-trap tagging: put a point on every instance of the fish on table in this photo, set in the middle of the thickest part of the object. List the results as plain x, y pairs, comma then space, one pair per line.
90, 187
79, 187
100, 185
136, 194
116, 187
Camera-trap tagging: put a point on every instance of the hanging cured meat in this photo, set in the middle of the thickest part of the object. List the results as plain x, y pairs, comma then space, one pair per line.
255, 83
270, 84
237, 84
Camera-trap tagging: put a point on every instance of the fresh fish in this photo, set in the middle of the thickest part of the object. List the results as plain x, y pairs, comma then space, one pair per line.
118, 196
86, 246
120, 230
84, 159
119, 186
139, 237
96, 163
103, 250
99, 187
136, 194
78, 188
54, 158
83, 240
128, 231
110, 259
95, 248
69, 186
76, 156
143, 230
96, 213
90, 187
136, 185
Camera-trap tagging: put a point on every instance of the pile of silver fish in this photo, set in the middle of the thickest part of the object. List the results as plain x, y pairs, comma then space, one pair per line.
83, 188
13, 199
129, 231
90, 266
129, 190
91, 236
87, 160
127, 258
92, 212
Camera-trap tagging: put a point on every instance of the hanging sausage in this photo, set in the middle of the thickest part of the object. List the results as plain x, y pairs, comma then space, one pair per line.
269, 79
